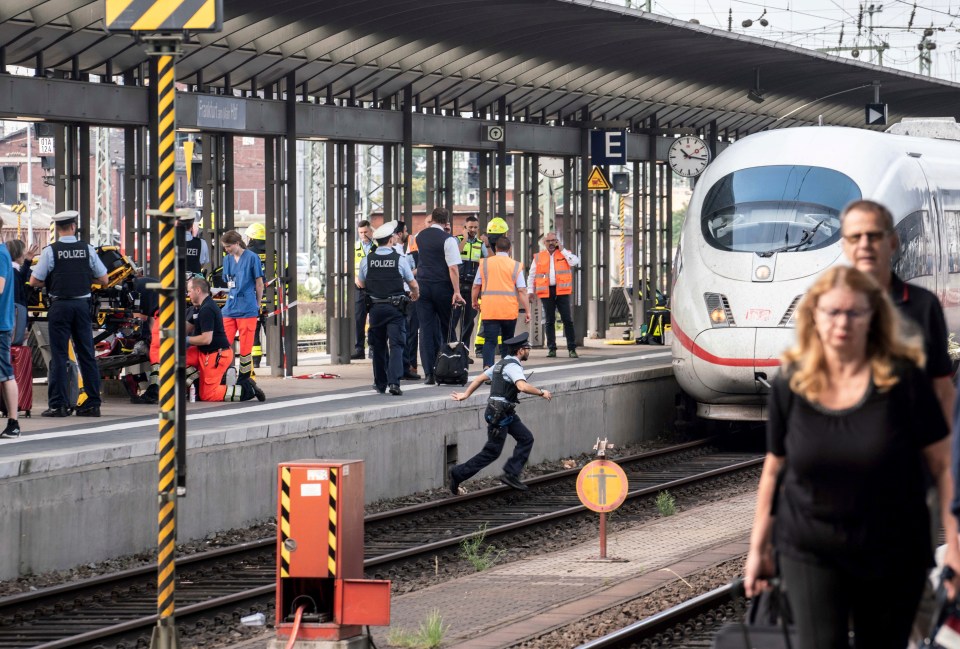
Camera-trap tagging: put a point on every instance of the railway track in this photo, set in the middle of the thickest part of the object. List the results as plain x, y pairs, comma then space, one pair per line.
691, 625
98, 611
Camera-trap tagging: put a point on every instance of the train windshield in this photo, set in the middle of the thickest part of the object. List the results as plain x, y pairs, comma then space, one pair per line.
783, 208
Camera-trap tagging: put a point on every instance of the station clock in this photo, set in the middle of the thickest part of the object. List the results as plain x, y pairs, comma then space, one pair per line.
688, 156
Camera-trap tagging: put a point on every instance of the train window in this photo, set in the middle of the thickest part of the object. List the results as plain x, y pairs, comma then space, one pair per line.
914, 257
783, 208
952, 219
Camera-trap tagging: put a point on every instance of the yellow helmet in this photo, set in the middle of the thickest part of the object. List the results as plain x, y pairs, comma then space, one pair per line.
497, 226
256, 231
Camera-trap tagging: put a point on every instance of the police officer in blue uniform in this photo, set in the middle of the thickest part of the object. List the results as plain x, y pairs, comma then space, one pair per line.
67, 268
382, 276
196, 248
508, 381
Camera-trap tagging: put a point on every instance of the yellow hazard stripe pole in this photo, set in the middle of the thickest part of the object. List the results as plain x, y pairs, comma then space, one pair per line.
623, 241
165, 634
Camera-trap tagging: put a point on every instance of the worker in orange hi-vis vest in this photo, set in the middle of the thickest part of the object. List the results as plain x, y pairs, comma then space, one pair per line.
500, 283
551, 278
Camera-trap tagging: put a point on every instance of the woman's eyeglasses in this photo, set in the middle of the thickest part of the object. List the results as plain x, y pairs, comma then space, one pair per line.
852, 314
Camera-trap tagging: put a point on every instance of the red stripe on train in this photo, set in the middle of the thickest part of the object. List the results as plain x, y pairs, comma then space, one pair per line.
702, 353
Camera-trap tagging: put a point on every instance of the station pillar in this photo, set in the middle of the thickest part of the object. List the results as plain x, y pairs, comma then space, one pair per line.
322, 598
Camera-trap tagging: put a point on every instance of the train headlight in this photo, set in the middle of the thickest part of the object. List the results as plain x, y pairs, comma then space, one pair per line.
762, 273
718, 309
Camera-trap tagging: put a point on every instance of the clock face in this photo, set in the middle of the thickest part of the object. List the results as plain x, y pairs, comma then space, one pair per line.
551, 167
688, 156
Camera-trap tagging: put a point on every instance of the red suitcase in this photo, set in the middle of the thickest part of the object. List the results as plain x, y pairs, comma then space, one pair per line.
22, 359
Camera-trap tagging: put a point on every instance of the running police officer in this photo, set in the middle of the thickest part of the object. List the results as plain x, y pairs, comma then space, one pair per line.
472, 251
501, 417
67, 268
382, 275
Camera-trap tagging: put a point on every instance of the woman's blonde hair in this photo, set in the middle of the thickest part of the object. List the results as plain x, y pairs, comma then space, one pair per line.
886, 344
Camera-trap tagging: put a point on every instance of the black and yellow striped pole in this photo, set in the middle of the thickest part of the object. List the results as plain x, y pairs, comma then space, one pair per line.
165, 635
165, 24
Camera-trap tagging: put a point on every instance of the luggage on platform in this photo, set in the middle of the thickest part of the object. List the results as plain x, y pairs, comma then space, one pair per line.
454, 357
22, 360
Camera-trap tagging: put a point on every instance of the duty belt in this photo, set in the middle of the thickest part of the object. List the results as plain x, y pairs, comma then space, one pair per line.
396, 300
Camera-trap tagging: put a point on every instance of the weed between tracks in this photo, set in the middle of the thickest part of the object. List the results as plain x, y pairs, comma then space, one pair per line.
481, 557
428, 636
666, 503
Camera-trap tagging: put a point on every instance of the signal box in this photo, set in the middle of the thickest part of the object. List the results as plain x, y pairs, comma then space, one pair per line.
320, 553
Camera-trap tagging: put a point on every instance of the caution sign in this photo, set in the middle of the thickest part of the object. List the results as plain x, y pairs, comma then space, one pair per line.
19, 208
602, 486
164, 15
597, 182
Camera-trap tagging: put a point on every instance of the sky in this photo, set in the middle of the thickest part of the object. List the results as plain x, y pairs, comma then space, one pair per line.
816, 24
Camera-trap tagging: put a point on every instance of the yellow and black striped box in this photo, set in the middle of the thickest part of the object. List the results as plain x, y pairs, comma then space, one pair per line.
164, 15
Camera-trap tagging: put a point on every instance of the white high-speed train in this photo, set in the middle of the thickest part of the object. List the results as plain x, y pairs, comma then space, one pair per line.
764, 221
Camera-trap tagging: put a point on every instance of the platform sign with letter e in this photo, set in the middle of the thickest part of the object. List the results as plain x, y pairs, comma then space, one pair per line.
602, 486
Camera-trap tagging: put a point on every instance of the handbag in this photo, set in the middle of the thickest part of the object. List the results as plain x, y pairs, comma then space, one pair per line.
945, 631
767, 623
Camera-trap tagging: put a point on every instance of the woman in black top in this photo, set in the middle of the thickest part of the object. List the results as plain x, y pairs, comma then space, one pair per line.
852, 420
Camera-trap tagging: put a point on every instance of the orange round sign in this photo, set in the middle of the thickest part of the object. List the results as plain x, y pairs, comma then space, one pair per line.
602, 486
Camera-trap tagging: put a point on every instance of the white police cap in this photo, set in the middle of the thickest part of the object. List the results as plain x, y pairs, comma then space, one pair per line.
388, 229
68, 215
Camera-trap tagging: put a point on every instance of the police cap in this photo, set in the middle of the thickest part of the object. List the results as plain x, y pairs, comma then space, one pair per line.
518, 342
66, 216
385, 231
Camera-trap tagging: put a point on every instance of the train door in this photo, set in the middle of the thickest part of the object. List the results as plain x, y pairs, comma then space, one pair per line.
917, 259
943, 220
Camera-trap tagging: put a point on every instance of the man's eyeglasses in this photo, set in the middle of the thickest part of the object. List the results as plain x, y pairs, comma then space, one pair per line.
550, 241
872, 237
852, 314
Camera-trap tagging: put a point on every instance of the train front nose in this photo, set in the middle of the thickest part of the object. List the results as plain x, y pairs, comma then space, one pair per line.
737, 360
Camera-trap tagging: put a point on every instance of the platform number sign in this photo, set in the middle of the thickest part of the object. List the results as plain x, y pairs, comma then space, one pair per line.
608, 147
164, 15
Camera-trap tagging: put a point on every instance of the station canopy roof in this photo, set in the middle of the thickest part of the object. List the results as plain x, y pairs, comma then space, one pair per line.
547, 58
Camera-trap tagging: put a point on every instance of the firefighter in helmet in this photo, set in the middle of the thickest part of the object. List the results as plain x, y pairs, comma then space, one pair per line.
496, 228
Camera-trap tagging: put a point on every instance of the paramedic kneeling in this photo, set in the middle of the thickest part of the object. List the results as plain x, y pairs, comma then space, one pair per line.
209, 354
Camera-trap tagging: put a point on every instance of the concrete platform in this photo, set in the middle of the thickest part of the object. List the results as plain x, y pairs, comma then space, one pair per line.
521, 600
79, 490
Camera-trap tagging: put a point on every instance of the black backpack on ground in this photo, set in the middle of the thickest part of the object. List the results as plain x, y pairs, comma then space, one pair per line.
454, 357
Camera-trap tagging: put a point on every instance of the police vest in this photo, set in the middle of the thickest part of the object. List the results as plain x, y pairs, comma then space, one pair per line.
192, 249
498, 289
383, 275
471, 256
500, 386
71, 275
561, 270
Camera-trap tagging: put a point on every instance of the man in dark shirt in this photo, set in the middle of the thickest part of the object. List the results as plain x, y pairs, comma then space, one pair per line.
209, 354
869, 242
